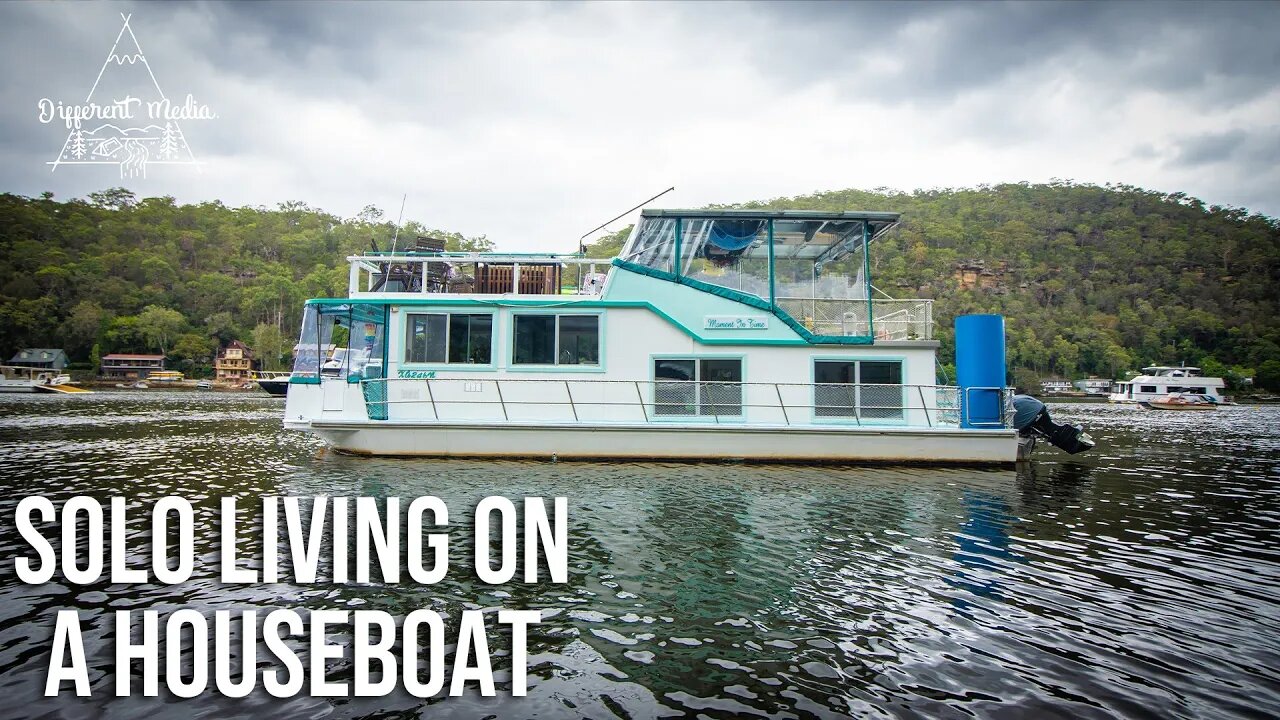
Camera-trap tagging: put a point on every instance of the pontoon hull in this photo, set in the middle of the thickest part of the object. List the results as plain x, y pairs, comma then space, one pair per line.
688, 443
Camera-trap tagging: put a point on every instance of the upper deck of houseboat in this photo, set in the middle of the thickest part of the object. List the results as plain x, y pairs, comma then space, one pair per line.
810, 270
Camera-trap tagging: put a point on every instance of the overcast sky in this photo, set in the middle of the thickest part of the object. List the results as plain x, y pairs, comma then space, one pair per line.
533, 123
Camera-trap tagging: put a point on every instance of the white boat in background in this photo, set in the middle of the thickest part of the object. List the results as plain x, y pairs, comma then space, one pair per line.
716, 334
1158, 381
17, 378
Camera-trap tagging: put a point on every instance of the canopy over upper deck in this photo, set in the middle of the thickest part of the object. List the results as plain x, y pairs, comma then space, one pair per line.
810, 268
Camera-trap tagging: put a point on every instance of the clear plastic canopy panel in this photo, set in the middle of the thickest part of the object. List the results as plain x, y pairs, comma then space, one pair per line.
816, 272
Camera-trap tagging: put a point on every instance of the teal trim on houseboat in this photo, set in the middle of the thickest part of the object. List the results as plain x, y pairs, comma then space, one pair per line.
746, 299
303, 380
805, 337
495, 342
866, 274
773, 296
427, 301
679, 230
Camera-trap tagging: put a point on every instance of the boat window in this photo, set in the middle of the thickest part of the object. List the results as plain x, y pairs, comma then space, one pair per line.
556, 340
1147, 388
365, 331
449, 338
857, 388
428, 338
698, 386
470, 339
730, 253
653, 244
579, 339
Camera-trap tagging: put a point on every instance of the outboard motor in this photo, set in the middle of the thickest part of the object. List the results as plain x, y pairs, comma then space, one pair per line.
1031, 420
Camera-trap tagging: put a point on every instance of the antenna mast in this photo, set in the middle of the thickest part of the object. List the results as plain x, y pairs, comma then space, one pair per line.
396, 236
582, 247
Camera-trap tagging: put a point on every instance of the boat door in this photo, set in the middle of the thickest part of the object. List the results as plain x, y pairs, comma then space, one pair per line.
332, 391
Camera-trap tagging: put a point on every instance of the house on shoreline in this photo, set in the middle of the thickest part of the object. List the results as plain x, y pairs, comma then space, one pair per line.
130, 366
43, 358
234, 363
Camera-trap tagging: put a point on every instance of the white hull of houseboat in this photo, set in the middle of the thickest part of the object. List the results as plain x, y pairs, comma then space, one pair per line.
671, 442
17, 386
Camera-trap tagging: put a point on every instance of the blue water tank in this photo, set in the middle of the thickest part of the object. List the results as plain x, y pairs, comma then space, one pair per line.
980, 370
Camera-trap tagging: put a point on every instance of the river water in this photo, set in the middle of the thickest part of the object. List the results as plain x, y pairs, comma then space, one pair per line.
1139, 580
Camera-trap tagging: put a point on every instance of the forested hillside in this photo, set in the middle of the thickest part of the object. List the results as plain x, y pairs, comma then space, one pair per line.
122, 274
1092, 280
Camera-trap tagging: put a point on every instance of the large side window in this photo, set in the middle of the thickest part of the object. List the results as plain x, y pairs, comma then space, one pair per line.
449, 338
556, 340
834, 394
857, 388
692, 386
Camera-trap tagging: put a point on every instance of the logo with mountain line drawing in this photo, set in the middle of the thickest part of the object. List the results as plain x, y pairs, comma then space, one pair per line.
126, 120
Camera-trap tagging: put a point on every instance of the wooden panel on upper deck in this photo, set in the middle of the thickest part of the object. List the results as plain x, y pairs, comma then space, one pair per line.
496, 279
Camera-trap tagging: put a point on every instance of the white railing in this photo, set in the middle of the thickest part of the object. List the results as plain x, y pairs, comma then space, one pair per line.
655, 401
893, 319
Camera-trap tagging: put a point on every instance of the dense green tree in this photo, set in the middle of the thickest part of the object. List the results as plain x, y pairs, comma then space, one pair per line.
268, 346
194, 349
159, 327
1268, 376
83, 326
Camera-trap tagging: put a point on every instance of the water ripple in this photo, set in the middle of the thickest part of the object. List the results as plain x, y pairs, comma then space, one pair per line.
1142, 580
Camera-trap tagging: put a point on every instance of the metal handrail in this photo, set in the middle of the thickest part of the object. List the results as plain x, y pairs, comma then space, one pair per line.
940, 405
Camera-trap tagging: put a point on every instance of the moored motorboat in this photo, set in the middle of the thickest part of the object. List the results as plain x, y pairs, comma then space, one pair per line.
1179, 401
273, 383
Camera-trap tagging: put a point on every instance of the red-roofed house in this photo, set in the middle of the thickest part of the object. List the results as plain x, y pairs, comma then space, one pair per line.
130, 366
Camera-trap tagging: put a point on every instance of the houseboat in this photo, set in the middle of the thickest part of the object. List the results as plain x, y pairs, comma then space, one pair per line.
1158, 381
715, 334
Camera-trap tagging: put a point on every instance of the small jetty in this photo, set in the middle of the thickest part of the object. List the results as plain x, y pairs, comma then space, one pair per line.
62, 389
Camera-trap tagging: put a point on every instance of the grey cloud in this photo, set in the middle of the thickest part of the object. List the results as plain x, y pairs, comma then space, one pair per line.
1225, 50
1258, 149
537, 103
1210, 148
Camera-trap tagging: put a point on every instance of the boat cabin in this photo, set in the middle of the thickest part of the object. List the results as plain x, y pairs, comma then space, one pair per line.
1158, 381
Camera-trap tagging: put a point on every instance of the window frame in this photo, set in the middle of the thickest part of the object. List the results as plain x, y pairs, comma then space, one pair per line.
445, 363
697, 359
858, 417
557, 366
